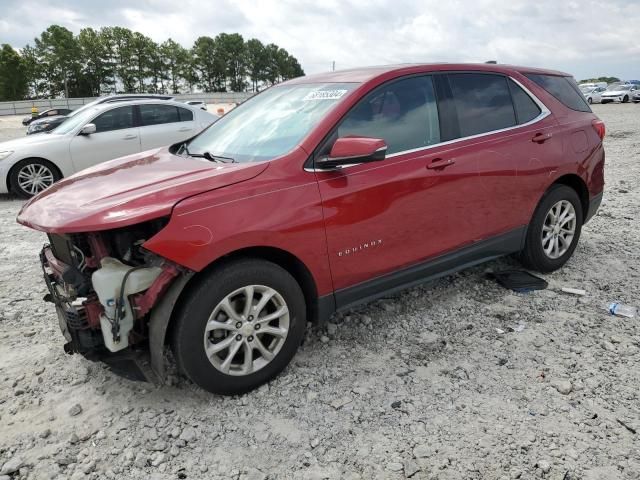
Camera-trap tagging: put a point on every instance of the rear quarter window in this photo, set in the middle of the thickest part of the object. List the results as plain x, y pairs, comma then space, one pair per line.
526, 108
564, 89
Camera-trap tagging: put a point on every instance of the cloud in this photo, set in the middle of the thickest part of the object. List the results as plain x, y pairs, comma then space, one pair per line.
586, 38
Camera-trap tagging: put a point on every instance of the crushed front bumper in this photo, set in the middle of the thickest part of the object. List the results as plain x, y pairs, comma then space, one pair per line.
77, 324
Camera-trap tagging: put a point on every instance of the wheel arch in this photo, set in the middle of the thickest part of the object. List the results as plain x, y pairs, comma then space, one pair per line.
578, 184
162, 315
42, 159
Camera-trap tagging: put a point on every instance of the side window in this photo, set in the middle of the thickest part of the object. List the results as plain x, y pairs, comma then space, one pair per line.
564, 89
115, 119
403, 113
51, 113
185, 115
526, 108
158, 114
482, 102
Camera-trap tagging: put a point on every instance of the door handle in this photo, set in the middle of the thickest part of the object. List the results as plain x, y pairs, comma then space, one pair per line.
541, 137
439, 163
129, 137
184, 129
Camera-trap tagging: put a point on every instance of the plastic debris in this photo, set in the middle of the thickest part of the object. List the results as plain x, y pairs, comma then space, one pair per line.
620, 310
574, 291
519, 328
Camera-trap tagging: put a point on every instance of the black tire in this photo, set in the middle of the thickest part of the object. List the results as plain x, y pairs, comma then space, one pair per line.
533, 256
590, 100
188, 335
625, 99
38, 163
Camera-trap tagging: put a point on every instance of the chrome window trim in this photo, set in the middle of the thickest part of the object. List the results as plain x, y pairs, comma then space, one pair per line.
544, 113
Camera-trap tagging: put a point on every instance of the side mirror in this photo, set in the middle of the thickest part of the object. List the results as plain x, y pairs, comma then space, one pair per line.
353, 150
88, 129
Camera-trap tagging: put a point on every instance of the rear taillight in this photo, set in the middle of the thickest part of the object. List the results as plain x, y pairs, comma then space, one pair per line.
598, 126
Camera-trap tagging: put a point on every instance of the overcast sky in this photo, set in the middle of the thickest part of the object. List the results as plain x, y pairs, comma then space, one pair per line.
586, 38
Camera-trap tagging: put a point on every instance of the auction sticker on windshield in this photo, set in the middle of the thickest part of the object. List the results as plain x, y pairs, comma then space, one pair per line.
325, 95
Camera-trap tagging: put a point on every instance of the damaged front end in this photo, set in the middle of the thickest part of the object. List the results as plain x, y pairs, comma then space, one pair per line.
104, 286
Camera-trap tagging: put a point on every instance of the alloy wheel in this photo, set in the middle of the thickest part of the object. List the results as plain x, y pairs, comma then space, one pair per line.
246, 330
558, 229
34, 178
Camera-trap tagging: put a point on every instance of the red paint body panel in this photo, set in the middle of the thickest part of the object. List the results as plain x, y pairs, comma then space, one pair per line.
403, 211
127, 191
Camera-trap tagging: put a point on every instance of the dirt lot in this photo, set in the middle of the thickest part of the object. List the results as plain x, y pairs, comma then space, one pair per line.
420, 385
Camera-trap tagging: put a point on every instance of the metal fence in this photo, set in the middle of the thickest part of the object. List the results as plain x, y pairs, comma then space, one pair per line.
24, 106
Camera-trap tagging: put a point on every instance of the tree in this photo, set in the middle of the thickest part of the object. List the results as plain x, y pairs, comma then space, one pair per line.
208, 64
230, 51
256, 61
116, 59
33, 72
601, 79
14, 84
120, 41
57, 49
175, 59
95, 53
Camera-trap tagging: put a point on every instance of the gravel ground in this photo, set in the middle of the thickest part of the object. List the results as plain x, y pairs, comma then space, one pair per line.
458, 379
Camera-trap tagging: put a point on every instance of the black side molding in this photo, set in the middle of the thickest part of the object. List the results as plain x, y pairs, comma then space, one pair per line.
479, 252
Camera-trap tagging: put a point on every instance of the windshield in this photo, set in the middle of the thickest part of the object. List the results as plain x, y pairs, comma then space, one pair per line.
271, 123
73, 122
587, 89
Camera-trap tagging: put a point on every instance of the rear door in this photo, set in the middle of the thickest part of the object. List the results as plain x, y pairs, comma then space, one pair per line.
505, 141
116, 136
162, 124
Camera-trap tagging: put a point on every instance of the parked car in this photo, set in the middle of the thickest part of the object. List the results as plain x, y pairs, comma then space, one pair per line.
197, 103
602, 85
99, 133
593, 94
314, 196
619, 93
51, 122
635, 98
51, 112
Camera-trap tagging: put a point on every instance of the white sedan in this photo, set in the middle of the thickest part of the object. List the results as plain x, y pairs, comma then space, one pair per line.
593, 94
30, 164
619, 93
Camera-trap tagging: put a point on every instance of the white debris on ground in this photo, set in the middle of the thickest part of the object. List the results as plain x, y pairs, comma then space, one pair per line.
432, 383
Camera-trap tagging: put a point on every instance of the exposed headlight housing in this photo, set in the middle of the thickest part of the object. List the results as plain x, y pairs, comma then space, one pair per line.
4, 154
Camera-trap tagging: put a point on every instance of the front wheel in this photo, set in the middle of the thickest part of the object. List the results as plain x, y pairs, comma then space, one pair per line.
240, 326
625, 99
554, 230
31, 176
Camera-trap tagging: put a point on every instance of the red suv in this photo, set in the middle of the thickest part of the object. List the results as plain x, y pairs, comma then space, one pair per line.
318, 194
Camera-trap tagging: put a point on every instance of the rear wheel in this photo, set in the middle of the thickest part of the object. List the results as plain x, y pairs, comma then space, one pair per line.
554, 230
31, 176
590, 100
240, 326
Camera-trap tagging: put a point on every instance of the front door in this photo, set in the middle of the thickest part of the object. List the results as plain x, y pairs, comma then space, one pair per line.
115, 136
386, 215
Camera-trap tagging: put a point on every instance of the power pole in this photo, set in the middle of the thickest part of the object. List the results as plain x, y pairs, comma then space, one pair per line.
333, 66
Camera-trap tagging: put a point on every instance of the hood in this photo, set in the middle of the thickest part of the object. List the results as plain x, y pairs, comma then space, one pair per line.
128, 190
41, 137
